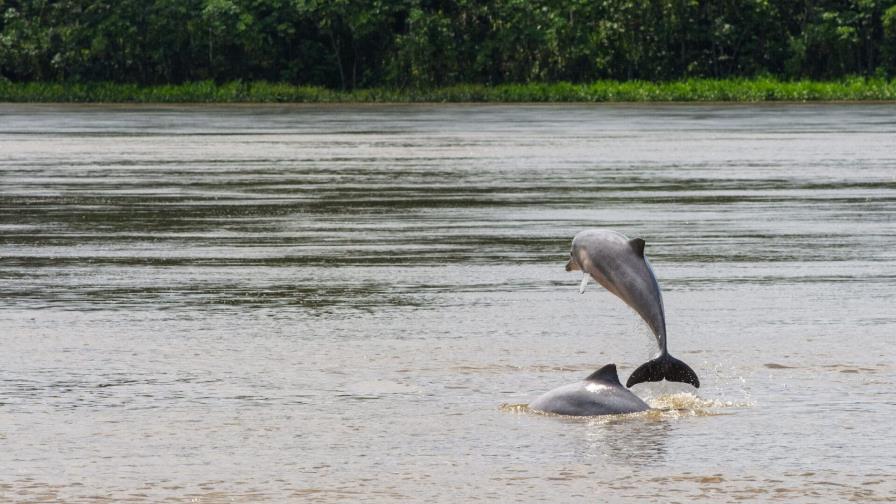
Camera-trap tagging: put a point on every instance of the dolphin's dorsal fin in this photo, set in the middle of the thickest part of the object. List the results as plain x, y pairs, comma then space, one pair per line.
605, 374
637, 245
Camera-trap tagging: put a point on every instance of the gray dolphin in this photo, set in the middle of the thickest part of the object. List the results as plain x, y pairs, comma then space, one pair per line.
618, 264
599, 394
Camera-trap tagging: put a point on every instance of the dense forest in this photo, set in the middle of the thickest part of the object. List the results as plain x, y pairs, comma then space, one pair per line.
349, 44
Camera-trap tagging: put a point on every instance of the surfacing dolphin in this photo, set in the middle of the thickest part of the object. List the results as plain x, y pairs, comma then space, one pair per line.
618, 264
599, 394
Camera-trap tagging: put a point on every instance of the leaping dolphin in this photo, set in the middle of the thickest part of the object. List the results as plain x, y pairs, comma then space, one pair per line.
618, 264
599, 394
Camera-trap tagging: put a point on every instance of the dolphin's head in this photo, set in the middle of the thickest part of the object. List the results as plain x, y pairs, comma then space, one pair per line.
593, 248
578, 261
583, 244
577, 254
573, 263
589, 253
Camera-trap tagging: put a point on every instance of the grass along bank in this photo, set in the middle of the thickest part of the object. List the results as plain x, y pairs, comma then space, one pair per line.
690, 90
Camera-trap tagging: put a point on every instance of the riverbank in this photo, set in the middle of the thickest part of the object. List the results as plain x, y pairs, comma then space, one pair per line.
691, 90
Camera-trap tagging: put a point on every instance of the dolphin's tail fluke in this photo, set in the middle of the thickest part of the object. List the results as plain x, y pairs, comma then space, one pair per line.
664, 367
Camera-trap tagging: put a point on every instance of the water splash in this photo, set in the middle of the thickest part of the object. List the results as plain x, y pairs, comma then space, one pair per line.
689, 404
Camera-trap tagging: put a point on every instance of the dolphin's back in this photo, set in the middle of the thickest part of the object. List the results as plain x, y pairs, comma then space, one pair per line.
618, 264
599, 394
589, 399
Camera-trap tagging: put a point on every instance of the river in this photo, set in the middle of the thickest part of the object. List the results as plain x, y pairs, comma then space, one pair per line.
355, 303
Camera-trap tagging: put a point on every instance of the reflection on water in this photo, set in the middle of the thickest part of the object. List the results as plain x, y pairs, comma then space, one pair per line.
330, 303
638, 445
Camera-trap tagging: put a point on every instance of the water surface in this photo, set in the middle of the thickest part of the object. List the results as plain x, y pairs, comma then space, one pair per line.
350, 303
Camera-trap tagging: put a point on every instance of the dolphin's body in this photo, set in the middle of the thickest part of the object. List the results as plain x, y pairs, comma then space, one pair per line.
619, 265
599, 394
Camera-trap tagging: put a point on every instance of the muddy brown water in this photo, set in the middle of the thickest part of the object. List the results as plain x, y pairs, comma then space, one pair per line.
354, 303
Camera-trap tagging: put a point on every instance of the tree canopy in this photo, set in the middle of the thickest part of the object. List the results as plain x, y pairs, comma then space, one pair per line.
347, 44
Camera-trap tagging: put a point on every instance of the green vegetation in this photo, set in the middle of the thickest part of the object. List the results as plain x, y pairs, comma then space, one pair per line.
446, 50
348, 44
743, 90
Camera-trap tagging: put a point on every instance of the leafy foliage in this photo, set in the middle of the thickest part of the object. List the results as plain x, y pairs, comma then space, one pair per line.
422, 44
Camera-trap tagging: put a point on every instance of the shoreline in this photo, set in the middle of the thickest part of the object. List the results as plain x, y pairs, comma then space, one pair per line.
728, 91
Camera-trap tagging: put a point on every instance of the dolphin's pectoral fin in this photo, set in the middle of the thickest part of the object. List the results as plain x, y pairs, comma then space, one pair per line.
584, 283
572, 265
637, 245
